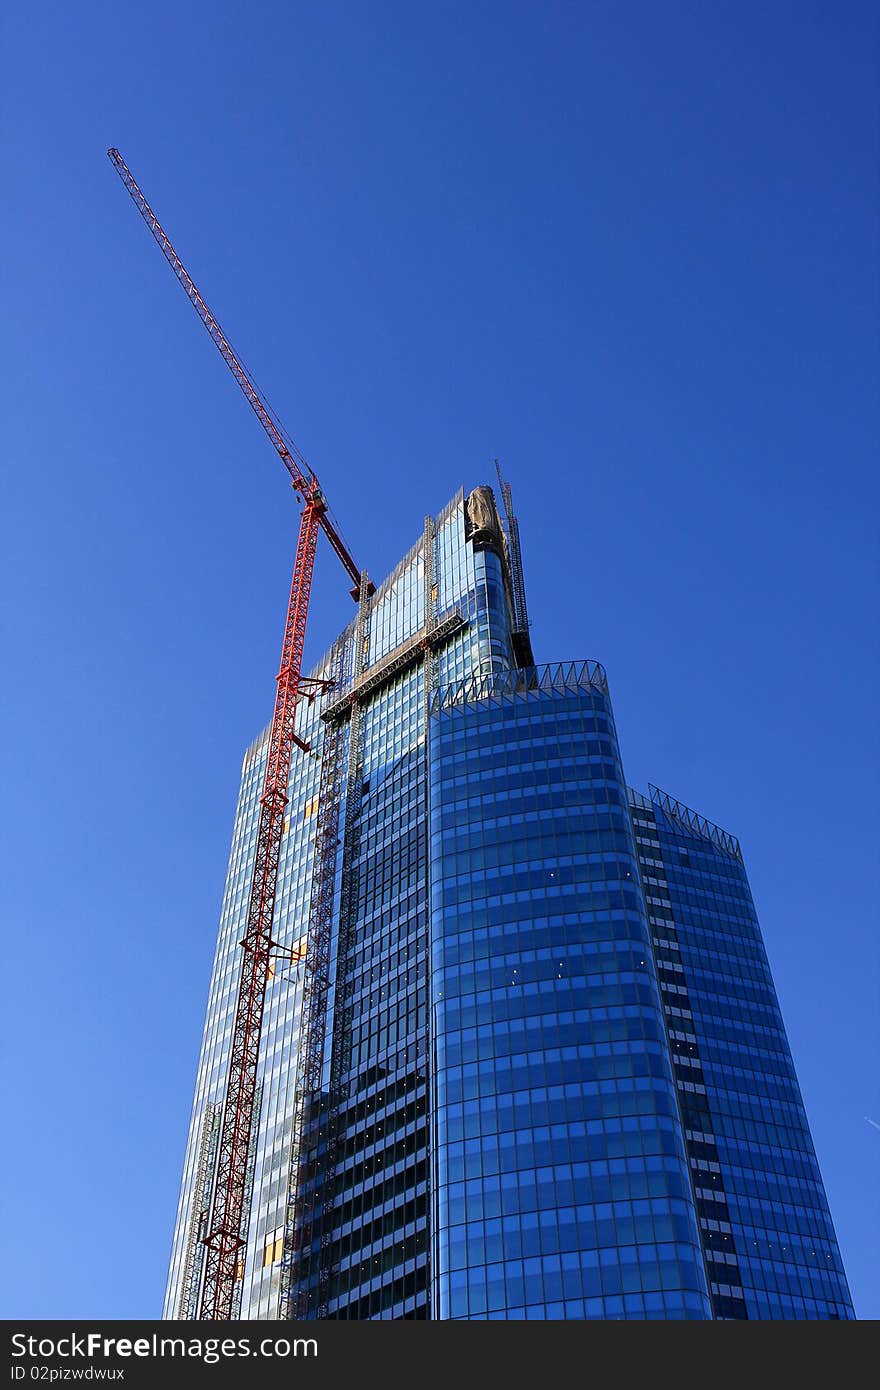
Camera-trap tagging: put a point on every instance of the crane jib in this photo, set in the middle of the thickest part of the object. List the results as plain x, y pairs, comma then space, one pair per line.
302, 475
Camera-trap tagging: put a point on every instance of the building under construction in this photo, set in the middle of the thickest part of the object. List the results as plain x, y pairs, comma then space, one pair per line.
489, 1034
554, 1081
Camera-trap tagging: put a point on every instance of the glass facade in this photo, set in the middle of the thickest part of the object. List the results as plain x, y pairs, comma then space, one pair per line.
376, 1049
770, 1246
561, 1180
553, 1061
259, 1291
375, 1201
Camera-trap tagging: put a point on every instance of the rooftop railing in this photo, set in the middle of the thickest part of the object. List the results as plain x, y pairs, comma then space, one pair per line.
530, 681
692, 821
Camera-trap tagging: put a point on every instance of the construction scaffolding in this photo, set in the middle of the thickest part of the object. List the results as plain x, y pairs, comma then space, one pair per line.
191, 1277
522, 642
307, 1099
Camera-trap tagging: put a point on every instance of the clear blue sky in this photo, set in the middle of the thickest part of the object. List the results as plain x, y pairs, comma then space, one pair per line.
628, 247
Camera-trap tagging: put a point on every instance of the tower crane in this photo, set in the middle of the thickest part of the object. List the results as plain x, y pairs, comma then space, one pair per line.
226, 1237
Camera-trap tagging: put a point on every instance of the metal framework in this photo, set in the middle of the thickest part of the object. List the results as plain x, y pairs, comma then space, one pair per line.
188, 1302
407, 654
307, 1099
342, 1009
304, 480
531, 682
522, 643
226, 1237
429, 605
694, 822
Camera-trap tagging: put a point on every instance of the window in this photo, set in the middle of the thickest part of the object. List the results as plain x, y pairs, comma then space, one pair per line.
273, 1248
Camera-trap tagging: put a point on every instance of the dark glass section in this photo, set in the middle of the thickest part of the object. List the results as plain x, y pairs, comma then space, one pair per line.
770, 1247
377, 1248
561, 1181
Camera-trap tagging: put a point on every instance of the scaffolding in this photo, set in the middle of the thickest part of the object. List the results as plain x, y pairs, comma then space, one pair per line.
194, 1257
299, 1216
522, 642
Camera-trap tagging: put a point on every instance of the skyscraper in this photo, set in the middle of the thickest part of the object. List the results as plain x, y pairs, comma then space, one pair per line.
556, 1083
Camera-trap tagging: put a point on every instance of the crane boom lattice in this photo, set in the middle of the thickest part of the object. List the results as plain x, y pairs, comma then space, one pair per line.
226, 1240
226, 1236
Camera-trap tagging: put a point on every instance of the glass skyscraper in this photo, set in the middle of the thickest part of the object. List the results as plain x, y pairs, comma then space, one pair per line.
556, 1079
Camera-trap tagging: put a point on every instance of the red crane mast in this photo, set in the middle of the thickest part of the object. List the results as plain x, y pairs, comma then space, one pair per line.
226, 1237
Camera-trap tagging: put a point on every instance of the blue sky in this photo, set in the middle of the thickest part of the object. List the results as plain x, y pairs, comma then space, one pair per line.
628, 248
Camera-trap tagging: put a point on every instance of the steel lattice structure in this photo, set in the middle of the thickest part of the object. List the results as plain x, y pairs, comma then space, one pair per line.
226, 1237
307, 1102
303, 476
